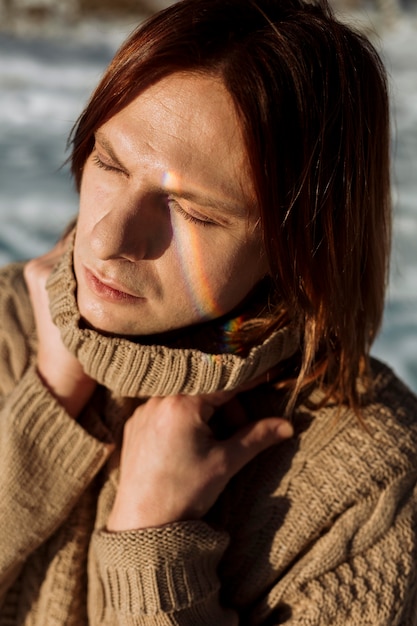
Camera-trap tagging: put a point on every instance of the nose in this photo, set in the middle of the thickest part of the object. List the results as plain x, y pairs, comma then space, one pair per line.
133, 229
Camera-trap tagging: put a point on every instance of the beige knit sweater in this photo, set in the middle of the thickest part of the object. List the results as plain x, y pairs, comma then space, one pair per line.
320, 530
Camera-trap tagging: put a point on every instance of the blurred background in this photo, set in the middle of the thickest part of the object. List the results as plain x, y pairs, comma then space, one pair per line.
52, 53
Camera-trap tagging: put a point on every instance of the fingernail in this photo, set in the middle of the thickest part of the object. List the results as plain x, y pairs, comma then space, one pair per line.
285, 430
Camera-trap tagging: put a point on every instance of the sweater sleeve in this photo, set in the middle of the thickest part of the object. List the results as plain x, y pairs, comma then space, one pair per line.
362, 571
165, 575
46, 461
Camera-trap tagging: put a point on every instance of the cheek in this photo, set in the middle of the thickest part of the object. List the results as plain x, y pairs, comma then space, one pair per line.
88, 202
95, 196
218, 274
241, 269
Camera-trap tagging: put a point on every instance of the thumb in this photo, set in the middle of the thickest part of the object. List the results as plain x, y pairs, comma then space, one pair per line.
249, 441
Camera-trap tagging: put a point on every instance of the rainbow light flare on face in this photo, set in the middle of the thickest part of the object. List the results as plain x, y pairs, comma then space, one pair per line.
193, 266
230, 343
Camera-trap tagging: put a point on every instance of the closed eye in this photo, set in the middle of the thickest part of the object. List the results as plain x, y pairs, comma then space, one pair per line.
105, 166
189, 217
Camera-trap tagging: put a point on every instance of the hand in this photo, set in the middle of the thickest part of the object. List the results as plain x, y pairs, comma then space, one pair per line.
172, 467
60, 371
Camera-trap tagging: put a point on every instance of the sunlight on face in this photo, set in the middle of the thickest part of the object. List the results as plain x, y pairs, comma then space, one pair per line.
168, 231
205, 302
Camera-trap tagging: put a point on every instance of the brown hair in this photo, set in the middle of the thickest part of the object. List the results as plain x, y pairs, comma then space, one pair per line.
312, 98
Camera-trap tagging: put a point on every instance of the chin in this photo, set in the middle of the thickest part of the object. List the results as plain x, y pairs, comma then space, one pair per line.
104, 322
114, 325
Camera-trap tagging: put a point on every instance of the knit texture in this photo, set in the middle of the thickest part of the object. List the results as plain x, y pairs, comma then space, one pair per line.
320, 530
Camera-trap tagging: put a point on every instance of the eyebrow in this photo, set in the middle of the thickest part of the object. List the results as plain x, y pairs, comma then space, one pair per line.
200, 199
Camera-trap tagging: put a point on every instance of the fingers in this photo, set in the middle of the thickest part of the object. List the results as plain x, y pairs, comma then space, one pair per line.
59, 370
254, 438
187, 467
37, 271
227, 419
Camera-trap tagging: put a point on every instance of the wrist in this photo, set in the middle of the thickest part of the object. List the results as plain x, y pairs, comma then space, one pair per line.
129, 518
72, 392
127, 514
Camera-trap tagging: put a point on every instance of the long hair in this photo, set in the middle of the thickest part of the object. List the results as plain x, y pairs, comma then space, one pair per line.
311, 95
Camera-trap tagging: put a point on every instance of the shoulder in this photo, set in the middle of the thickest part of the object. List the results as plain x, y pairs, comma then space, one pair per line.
334, 450
14, 297
17, 327
392, 401
383, 445
363, 454
12, 280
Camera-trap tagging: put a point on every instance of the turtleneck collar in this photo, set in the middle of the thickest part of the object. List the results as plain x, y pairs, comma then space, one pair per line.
132, 369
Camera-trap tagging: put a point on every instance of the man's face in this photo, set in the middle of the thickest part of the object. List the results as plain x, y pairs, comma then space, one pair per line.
168, 230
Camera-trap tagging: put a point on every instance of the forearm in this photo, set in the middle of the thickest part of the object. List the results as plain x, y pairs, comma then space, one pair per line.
46, 462
59, 370
157, 564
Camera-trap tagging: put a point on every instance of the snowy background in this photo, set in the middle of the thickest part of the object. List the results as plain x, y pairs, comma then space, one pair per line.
44, 83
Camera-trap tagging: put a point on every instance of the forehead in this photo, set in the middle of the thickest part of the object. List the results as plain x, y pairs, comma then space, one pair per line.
187, 125
192, 98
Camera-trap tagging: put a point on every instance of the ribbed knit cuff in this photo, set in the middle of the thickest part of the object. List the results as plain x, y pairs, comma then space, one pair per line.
160, 570
46, 462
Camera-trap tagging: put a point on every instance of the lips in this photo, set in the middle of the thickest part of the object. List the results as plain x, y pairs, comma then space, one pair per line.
108, 290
